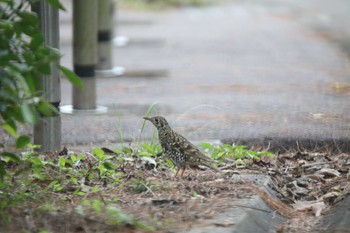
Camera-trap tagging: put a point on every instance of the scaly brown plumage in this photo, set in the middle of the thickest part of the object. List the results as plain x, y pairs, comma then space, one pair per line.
177, 148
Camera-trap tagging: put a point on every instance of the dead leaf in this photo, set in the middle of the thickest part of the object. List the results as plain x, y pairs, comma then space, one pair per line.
317, 208
328, 172
330, 197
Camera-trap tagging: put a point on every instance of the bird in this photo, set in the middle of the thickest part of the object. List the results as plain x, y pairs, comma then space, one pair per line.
177, 148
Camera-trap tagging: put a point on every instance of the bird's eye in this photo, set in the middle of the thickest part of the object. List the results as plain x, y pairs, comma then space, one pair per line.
156, 120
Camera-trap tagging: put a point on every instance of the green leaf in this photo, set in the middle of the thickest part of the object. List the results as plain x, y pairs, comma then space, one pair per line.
6, 57
10, 128
220, 154
101, 169
28, 113
57, 4
37, 41
73, 180
28, 18
58, 188
44, 68
22, 141
29, 57
33, 84
36, 161
12, 156
206, 145
79, 193
108, 166
98, 152
38, 176
127, 150
85, 202
62, 161
170, 164
72, 77
73, 157
2, 170
96, 205
46, 109
53, 183
145, 154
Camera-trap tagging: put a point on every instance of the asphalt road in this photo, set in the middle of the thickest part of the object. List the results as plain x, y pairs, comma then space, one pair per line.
263, 72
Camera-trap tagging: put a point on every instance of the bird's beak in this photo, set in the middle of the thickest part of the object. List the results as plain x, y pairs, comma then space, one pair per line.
147, 118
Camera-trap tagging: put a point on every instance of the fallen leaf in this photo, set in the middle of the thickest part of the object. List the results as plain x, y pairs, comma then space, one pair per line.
318, 207
328, 172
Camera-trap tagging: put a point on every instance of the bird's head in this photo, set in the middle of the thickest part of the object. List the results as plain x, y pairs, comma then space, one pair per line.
158, 121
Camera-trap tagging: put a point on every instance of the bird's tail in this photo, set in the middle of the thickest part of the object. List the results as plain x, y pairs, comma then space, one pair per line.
211, 166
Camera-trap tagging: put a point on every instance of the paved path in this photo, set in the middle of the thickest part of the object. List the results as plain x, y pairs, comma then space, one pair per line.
262, 71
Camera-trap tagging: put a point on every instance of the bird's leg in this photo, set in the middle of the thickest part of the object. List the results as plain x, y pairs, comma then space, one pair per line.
183, 170
177, 171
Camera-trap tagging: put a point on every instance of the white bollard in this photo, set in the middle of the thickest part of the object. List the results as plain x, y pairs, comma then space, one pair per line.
105, 66
84, 52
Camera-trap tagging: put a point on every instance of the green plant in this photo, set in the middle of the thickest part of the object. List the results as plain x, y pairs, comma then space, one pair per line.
234, 152
138, 185
24, 61
111, 213
106, 168
17, 190
149, 150
37, 179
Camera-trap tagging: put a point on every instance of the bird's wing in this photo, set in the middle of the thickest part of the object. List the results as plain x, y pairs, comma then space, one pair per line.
186, 147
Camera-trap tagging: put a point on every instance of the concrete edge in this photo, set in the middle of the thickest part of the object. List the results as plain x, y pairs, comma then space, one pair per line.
249, 214
338, 218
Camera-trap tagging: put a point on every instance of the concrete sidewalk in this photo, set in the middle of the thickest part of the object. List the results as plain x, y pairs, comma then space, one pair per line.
262, 72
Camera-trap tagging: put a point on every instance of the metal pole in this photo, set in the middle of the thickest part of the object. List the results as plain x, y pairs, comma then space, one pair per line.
47, 132
84, 52
105, 68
